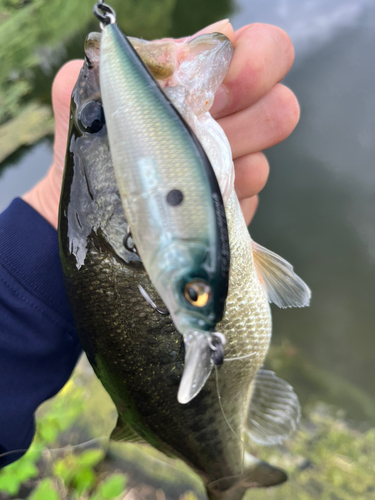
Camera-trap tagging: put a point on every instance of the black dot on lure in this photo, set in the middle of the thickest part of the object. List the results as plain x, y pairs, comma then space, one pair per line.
175, 197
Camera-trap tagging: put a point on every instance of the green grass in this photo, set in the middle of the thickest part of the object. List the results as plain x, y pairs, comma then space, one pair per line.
327, 459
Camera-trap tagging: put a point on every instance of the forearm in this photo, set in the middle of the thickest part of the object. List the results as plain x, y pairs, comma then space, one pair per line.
38, 343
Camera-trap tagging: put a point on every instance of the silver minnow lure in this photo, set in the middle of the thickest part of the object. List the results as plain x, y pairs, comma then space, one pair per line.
172, 201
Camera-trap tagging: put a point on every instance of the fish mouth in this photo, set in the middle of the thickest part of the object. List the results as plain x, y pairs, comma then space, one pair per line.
203, 350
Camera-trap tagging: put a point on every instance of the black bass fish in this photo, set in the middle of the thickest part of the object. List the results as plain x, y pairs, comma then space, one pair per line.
138, 354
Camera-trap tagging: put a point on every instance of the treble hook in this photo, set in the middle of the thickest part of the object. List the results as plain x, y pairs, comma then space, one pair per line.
163, 311
105, 13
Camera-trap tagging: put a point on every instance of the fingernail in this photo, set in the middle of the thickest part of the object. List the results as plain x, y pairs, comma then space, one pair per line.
219, 25
220, 101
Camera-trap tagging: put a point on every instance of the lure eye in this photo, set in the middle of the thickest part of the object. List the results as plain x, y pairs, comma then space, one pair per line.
91, 117
197, 293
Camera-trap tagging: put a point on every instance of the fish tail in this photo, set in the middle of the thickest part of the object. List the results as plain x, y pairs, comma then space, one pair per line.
258, 474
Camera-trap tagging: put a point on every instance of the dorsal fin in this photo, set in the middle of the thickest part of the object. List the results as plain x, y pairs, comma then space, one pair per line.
274, 410
284, 288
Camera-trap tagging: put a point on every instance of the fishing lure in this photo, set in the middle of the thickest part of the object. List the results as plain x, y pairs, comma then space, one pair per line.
172, 201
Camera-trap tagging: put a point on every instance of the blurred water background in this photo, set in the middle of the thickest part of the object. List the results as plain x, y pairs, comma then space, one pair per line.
318, 208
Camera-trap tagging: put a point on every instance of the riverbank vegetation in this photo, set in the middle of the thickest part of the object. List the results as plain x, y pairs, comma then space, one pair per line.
329, 458
38, 36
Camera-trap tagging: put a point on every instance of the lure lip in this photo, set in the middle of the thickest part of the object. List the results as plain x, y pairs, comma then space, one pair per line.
203, 351
198, 365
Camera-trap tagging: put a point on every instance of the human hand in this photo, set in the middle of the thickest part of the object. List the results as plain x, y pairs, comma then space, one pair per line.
254, 110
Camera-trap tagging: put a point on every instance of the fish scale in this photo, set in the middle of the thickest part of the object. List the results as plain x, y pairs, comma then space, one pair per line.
123, 349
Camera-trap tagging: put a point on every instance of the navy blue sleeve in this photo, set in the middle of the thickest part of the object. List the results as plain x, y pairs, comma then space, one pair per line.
38, 343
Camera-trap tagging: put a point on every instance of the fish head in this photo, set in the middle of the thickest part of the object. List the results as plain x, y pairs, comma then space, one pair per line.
90, 203
86, 106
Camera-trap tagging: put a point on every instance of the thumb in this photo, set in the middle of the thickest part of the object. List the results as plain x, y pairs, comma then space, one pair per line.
223, 26
61, 92
44, 196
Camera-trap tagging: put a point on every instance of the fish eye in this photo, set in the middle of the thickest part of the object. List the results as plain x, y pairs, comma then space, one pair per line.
91, 117
197, 293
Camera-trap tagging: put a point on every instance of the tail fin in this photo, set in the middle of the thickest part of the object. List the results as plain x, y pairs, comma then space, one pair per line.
258, 474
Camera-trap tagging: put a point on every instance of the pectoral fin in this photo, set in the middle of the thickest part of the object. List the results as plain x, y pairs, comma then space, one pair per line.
274, 410
198, 366
284, 288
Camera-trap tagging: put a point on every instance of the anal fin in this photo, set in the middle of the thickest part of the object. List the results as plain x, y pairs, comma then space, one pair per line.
274, 410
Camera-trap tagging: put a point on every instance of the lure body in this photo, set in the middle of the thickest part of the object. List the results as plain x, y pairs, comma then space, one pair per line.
169, 190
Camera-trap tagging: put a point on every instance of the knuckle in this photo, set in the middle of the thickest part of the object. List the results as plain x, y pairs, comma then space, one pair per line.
251, 174
283, 39
283, 46
259, 172
288, 109
264, 171
270, 56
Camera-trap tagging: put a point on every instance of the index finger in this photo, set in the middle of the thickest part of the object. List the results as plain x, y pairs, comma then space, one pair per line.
223, 26
262, 57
